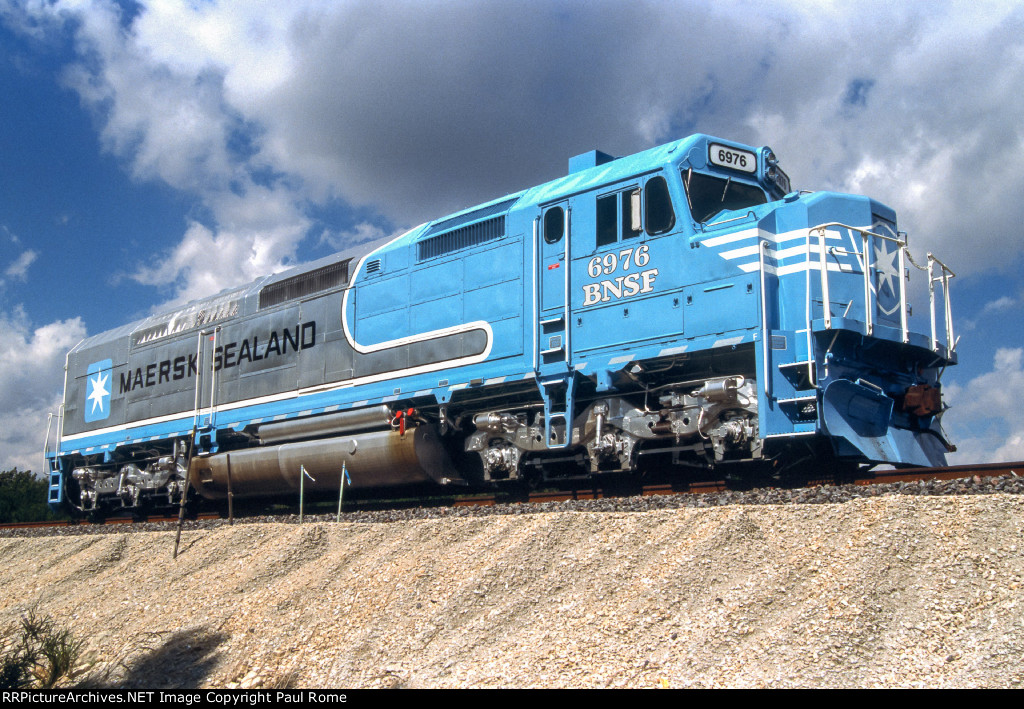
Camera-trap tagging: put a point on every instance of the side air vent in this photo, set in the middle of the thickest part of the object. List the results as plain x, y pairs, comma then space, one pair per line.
475, 215
304, 284
461, 238
373, 266
188, 318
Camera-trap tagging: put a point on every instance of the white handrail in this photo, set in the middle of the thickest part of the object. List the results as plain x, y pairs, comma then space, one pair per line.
904, 255
944, 275
46, 442
765, 348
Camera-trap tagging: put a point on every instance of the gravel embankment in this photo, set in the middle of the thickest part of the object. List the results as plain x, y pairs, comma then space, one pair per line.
818, 495
872, 590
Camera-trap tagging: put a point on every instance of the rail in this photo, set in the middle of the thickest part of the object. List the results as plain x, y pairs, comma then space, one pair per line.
970, 474
904, 256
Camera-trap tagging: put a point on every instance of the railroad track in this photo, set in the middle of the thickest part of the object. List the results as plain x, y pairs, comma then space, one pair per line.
154, 519
909, 475
949, 472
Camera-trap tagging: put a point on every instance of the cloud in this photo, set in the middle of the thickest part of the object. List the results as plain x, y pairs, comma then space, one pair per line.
415, 109
999, 304
936, 136
19, 269
361, 233
1003, 313
156, 83
984, 420
257, 234
31, 375
12, 237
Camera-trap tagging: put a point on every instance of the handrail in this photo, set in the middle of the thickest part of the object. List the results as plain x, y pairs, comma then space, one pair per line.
566, 293
58, 443
904, 255
60, 428
709, 225
199, 407
944, 275
765, 348
536, 302
46, 442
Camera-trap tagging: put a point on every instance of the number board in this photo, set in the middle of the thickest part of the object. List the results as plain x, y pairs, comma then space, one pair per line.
725, 156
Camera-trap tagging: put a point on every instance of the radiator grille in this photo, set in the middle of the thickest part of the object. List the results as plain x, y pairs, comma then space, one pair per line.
461, 237
304, 284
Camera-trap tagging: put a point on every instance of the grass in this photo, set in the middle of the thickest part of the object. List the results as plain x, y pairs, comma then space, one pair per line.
37, 653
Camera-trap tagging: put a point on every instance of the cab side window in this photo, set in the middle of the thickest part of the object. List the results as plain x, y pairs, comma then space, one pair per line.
659, 216
554, 225
618, 216
625, 214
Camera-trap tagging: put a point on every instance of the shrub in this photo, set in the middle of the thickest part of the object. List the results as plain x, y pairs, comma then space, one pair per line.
38, 654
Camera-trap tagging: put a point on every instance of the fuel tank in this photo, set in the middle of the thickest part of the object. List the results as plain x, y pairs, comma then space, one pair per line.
373, 459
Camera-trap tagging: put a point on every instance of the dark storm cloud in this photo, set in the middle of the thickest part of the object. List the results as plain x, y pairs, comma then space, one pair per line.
421, 108
413, 109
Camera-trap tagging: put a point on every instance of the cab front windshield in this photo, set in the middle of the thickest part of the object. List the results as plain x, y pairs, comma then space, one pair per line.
708, 195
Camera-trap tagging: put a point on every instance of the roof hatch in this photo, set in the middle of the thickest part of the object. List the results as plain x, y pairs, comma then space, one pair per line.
588, 160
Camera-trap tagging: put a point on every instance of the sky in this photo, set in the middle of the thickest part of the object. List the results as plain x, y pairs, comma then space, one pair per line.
158, 151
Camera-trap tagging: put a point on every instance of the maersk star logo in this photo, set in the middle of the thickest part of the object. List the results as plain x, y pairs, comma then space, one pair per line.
887, 275
97, 390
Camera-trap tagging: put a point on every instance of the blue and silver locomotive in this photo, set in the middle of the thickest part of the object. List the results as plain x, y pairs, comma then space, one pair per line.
681, 306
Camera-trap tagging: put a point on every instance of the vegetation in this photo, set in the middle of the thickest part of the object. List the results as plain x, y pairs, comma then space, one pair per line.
38, 654
23, 497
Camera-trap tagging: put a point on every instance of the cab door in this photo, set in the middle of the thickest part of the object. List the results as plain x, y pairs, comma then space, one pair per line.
552, 346
552, 241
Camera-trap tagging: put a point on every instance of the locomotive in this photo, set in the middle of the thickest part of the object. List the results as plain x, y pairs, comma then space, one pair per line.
681, 307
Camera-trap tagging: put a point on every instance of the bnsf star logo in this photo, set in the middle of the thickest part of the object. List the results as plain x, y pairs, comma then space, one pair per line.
97, 390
